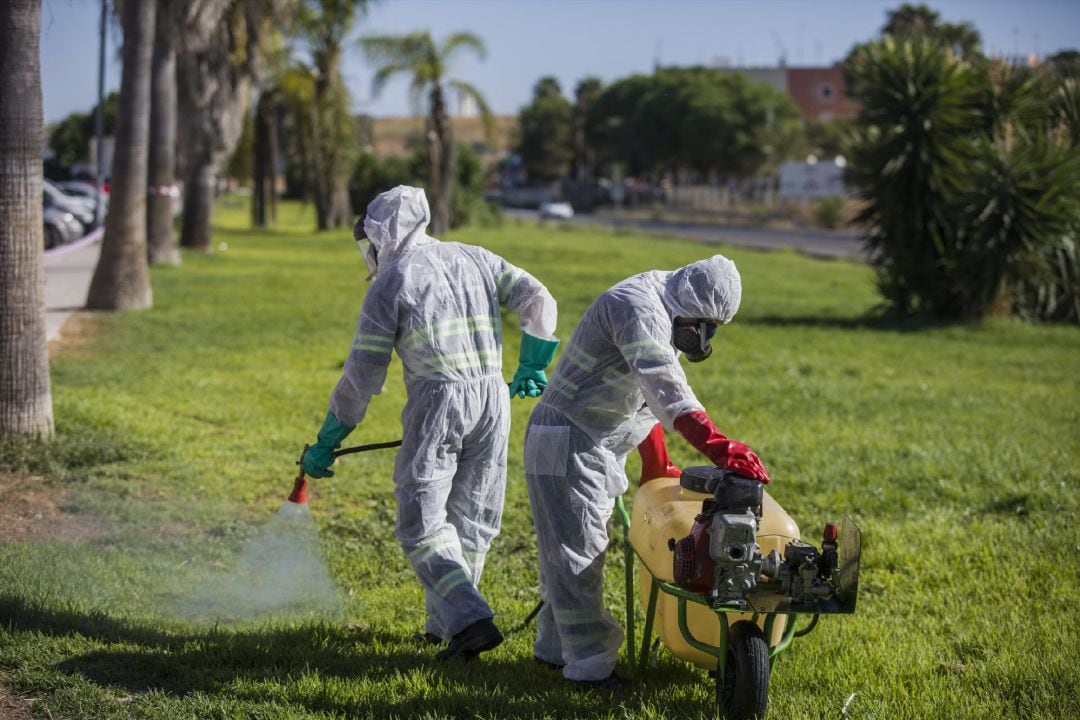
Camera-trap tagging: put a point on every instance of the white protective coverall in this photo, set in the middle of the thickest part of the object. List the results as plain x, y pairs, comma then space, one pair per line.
438, 305
616, 377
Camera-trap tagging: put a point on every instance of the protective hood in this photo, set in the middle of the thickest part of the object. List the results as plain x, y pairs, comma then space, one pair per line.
709, 289
395, 222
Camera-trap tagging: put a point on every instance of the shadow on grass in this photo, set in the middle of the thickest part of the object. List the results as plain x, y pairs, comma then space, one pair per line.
872, 321
326, 669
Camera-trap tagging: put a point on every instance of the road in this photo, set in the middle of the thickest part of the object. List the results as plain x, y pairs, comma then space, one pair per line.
831, 244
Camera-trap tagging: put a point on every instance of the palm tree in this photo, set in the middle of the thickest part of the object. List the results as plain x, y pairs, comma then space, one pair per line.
25, 395
162, 162
324, 25
122, 276
215, 68
416, 54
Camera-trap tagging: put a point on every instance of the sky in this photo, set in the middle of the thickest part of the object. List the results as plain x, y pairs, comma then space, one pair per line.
573, 39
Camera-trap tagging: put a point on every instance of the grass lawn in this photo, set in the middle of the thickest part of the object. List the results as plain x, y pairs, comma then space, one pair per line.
956, 449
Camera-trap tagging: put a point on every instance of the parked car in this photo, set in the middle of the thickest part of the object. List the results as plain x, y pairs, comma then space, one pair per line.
82, 208
81, 189
556, 211
61, 227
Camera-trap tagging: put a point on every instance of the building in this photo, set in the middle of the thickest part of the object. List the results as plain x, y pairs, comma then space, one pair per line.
818, 91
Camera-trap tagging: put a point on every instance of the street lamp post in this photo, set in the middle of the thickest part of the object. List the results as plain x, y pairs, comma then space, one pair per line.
99, 117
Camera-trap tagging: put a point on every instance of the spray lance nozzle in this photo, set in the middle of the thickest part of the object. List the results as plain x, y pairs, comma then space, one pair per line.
299, 491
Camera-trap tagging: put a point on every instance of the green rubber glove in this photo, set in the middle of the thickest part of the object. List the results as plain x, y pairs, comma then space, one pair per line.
536, 354
319, 457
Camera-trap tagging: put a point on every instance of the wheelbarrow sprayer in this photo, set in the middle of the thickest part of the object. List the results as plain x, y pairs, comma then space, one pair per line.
724, 576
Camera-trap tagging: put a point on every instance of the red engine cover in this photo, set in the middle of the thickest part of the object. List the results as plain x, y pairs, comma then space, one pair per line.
693, 566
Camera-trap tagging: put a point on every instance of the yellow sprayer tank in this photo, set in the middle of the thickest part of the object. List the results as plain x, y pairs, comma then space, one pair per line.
663, 510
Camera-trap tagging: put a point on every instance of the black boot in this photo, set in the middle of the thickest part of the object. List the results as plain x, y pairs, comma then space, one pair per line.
426, 638
545, 664
479, 637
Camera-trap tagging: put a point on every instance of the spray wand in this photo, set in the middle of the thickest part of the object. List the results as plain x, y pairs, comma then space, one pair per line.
298, 495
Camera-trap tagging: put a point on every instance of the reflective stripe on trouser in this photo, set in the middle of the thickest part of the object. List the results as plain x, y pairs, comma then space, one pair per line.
571, 506
450, 479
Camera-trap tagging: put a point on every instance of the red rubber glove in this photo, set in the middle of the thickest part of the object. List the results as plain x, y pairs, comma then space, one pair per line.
655, 462
699, 431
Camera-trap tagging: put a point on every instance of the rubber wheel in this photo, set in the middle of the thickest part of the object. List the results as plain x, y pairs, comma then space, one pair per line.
742, 690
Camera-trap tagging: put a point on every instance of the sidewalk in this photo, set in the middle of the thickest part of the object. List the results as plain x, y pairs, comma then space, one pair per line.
68, 271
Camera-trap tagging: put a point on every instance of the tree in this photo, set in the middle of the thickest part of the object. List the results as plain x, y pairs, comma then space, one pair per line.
909, 21
25, 393
324, 25
373, 175
265, 155
585, 95
968, 180
161, 242
70, 138
547, 133
217, 67
688, 120
1066, 63
417, 55
122, 277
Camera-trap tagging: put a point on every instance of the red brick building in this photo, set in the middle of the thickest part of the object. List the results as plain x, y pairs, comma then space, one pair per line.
818, 91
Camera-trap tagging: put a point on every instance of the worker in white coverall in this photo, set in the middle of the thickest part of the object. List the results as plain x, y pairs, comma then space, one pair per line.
618, 375
437, 304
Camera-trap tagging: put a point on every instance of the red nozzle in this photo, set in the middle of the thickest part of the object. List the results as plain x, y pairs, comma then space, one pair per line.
829, 535
299, 491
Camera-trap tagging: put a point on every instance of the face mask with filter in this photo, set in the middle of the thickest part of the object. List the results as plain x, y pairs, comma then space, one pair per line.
691, 337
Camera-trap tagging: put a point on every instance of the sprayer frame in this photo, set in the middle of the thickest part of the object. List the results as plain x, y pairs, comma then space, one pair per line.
683, 596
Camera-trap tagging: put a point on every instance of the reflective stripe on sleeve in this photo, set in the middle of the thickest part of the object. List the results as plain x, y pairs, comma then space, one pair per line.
580, 358
648, 348
506, 281
371, 342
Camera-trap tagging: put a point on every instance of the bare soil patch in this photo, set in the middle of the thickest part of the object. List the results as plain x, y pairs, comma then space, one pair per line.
33, 510
13, 707
75, 335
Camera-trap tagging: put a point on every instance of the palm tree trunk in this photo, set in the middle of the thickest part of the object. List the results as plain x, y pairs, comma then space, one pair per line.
321, 190
122, 277
214, 88
440, 141
159, 204
25, 394
264, 197
273, 149
199, 192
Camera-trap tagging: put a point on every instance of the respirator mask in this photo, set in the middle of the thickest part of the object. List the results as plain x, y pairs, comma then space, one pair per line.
367, 249
691, 337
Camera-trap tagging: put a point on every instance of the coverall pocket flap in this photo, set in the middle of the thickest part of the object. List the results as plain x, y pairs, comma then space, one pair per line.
546, 450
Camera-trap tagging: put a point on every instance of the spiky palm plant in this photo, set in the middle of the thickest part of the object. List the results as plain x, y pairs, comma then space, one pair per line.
909, 164
969, 173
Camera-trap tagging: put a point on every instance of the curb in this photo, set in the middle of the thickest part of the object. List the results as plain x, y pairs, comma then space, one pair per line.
88, 239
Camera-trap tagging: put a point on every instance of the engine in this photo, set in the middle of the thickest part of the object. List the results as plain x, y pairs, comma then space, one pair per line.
721, 559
